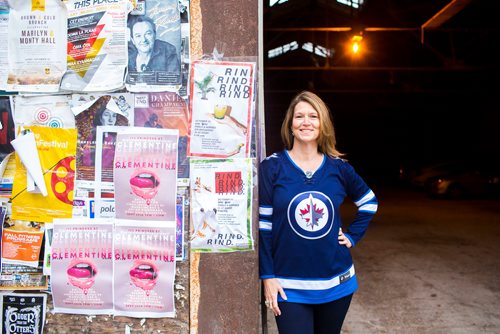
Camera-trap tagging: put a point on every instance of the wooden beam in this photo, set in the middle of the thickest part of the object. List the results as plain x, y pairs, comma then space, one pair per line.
448, 11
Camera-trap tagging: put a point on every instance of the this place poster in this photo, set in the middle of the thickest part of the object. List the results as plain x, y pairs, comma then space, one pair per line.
221, 205
82, 266
145, 174
97, 45
221, 104
144, 268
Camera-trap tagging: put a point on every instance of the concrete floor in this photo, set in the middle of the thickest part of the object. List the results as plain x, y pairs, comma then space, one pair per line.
426, 266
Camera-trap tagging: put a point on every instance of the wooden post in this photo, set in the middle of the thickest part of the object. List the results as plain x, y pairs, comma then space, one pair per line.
224, 288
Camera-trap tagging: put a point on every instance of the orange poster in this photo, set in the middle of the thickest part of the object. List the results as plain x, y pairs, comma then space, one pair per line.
21, 242
56, 150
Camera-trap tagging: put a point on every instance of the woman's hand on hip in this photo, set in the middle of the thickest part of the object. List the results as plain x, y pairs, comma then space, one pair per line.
343, 240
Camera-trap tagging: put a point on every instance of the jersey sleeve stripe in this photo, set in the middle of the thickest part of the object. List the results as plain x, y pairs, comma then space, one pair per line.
365, 198
265, 210
265, 225
368, 208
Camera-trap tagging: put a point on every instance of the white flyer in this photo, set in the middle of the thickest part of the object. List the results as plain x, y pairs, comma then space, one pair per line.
37, 45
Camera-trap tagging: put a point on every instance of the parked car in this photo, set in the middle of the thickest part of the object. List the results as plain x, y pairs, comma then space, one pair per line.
422, 176
466, 184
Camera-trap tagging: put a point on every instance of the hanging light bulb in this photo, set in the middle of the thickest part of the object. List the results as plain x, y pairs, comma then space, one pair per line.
356, 44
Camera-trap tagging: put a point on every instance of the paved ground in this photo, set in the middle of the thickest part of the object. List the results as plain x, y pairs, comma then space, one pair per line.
427, 266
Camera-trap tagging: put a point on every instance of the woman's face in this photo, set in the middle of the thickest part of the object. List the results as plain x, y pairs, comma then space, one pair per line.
305, 123
108, 117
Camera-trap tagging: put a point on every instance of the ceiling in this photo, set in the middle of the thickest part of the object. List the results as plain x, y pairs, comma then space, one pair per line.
436, 96
397, 33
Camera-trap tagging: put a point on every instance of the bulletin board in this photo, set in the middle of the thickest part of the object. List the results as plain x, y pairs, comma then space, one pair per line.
213, 292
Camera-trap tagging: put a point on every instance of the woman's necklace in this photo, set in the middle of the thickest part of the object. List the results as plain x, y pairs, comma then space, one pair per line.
308, 166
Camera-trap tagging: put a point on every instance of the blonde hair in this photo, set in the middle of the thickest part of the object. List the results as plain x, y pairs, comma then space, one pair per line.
326, 138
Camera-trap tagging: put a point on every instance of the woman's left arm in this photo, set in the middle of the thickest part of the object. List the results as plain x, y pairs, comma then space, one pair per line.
364, 199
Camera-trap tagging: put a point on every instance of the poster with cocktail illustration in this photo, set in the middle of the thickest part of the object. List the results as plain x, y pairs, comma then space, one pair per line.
221, 103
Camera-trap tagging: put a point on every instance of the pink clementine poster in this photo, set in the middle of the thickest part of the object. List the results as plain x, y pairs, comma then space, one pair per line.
82, 266
145, 174
144, 257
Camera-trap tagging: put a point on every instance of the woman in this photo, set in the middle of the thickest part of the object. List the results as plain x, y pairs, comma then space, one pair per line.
305, 263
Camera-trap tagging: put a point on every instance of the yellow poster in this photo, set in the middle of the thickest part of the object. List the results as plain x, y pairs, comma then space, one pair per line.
56, 149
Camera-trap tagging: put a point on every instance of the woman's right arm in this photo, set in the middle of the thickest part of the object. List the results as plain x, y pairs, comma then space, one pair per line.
266, 266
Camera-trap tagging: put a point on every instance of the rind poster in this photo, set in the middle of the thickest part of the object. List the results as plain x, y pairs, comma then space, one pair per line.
37, 45
144, 268
97, 45
145, 174
221, 205
221, 103
82, 266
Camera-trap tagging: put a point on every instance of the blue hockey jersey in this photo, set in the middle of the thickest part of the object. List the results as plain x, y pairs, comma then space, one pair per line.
299, 221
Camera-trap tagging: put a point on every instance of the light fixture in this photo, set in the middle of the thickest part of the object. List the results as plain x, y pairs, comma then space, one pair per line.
356, 44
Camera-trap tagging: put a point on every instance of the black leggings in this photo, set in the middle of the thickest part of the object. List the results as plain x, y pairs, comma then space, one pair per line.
325, 318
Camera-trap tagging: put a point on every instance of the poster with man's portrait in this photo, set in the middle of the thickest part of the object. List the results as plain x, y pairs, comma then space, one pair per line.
154, 47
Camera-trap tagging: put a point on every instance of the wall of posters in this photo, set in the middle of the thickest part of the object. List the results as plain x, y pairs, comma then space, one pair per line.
108, 107
221, 205
221, 103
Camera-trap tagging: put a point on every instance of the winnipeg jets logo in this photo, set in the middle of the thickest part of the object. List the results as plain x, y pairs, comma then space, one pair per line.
310, 215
